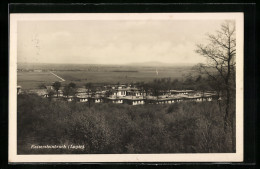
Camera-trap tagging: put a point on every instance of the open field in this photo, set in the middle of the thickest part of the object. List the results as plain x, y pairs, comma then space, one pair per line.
82, 74
30, 80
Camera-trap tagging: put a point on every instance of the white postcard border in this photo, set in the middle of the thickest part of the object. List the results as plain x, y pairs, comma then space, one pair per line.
187, 157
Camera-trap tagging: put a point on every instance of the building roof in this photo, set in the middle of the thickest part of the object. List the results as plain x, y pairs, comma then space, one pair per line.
81, 90
82, 95
126, 98
39, 91
181, 91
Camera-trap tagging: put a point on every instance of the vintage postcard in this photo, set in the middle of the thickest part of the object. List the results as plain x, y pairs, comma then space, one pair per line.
126, 87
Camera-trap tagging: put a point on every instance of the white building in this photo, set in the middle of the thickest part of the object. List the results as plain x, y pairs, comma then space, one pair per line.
118, 101
138, 102
98, 100
119, 93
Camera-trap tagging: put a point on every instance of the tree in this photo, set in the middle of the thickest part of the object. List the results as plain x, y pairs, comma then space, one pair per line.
198, 79
66, 91
69, 89
175, 84
108, 93
156, 87
132, 84
116, 90
89, 86
168, 86
188, 79
50, 94
73, 89
132, 92
141, 86
93, 92
146, 89
42, 86
220, 53
56, 86
72, 85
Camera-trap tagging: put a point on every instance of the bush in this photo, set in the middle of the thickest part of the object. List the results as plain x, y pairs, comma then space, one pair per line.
173, 108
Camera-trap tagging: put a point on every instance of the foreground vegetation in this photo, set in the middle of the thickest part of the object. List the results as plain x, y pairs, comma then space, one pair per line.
111, 128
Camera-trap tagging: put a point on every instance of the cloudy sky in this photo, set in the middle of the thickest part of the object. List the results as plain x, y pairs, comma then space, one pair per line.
112, 41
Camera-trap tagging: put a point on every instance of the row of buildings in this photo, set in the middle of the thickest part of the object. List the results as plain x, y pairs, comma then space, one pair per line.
127, 95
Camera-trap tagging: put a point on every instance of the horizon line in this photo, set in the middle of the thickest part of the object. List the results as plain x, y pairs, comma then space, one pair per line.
109, 63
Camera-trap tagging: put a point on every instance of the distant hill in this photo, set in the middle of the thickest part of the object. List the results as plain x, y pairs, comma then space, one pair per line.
159, 64
47, 66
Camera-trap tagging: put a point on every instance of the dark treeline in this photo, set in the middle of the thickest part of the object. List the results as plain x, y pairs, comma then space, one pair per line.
111, 128
186, 83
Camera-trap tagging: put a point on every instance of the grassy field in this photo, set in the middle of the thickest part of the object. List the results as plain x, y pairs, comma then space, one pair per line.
100, 74
31, 80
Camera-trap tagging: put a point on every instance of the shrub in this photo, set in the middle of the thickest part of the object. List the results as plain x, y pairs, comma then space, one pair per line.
173, 108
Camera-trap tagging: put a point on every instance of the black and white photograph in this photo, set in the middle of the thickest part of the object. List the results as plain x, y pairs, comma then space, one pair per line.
126, 87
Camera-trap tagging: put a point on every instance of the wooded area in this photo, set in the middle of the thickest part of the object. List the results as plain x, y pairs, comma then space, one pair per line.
111, 128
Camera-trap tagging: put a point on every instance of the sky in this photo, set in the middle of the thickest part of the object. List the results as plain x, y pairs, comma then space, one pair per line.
112, 41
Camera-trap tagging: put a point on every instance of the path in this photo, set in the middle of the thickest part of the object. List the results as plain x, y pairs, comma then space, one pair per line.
62, 80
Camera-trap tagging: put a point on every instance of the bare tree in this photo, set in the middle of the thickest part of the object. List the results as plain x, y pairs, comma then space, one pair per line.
221, 53
56, 86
